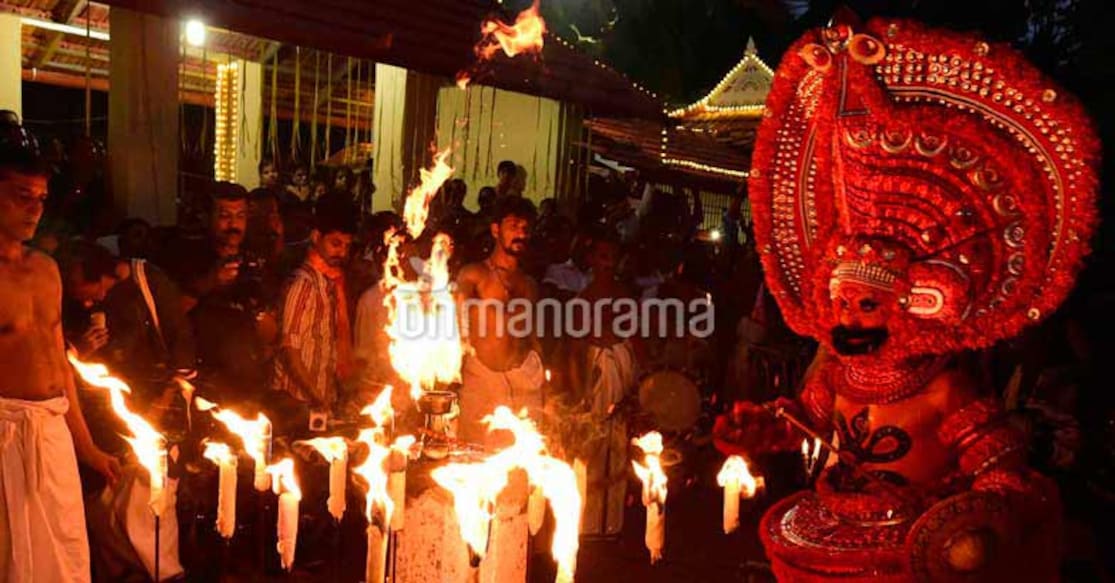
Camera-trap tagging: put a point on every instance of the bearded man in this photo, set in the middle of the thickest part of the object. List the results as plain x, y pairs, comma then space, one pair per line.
916, 193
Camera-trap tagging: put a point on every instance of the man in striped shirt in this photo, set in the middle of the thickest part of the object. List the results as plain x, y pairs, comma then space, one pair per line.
315, 353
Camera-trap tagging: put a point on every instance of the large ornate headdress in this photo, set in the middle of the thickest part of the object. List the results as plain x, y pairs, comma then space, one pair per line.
929, 161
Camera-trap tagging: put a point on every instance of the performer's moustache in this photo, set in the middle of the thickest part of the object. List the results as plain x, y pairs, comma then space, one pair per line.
858, 341
231, 232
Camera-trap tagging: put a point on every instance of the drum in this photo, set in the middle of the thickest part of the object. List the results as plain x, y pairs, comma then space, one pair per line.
671, 399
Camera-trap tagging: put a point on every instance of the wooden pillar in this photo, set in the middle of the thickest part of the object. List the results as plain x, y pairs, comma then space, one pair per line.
143, 140
405, 125
11, 63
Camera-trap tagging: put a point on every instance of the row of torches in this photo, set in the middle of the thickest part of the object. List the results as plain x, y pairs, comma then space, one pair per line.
425, 363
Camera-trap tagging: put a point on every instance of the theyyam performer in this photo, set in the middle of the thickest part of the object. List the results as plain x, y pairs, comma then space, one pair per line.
916, 193
42, 521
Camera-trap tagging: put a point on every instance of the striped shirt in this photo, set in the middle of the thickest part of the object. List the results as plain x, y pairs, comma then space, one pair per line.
309, 327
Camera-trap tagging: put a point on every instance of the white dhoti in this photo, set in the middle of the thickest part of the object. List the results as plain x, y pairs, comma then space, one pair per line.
483, 389
612, 375
42, 519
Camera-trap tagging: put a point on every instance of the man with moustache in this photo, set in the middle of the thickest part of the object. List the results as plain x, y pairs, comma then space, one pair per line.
42, 430
315, 353
504, 368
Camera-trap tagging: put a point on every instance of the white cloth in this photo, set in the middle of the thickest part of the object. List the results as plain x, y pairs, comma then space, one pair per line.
567, 277
123, 529
612, 374
483, 389
42, 518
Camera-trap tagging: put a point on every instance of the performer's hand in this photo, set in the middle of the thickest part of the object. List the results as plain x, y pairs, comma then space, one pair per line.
227, 273
104, 464
750, 428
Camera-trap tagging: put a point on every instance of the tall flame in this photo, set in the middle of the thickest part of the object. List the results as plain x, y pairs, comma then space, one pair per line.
148, 444
735, 471
330, 448
380, 410
476, 486
377, 499
254, 434
426, 345
527, 35
651, 474
283, 479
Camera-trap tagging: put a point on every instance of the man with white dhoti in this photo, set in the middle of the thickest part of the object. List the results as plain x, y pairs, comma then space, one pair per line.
42, 522
504, 367
604, 365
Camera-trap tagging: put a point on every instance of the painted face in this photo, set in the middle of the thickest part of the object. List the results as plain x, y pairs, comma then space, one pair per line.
862, 313
333, 247
21, 204
512, 234
229, 221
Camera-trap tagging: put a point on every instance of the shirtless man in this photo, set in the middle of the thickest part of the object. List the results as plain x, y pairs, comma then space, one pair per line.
41, 425
504, 368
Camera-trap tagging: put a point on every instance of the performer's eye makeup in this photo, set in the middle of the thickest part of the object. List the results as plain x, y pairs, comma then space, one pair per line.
868, 305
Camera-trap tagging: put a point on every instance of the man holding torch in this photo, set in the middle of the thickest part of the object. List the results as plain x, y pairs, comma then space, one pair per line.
41, 425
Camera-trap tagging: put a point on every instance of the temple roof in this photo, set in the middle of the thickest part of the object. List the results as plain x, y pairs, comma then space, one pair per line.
739, 95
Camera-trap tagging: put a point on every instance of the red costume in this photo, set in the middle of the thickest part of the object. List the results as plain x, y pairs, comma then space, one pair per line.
916, 193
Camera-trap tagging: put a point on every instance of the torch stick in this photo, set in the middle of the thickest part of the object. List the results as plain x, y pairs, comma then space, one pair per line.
847, 457
157, 529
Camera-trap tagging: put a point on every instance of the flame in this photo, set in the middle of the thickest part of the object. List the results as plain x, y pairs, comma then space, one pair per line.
377, 499
255, 434
651, 474
403, 444
525, 36
330, 448
476, 486
148, 444
417, 207
218, 453
380, 410
735, 471
426, 346
283, 479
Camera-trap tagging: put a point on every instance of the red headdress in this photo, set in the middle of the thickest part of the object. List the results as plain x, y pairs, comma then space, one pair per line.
929, 161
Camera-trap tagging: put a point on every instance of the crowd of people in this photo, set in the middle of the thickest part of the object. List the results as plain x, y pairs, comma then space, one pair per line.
273, 299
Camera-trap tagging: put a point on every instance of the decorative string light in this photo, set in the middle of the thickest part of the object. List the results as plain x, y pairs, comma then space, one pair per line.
705, 167
227, 131
704, 105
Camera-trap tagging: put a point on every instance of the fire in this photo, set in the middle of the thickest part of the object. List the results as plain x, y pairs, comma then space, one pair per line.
476, 486
283, 479
148, 444
377, 499
651, 474
735, 471
380, 410
525, 36
426, 345
255, 435
417, 207
330, 448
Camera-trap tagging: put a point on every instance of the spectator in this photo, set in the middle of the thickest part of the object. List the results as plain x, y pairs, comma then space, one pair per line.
269, 176
506, 173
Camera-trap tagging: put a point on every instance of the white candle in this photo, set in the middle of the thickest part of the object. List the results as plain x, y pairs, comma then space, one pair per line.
731, 506
288, 528
656, 531
377, 555
536, 510
397, 488
338, 476
262, 478
226, 497
157, 475
581, 472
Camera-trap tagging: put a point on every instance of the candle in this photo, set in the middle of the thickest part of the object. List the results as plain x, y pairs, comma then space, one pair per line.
377, 554
656, 531
737, 481
289, 497
654, 492
536, 510
261, 453
221, 455
157, 499
335, 451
